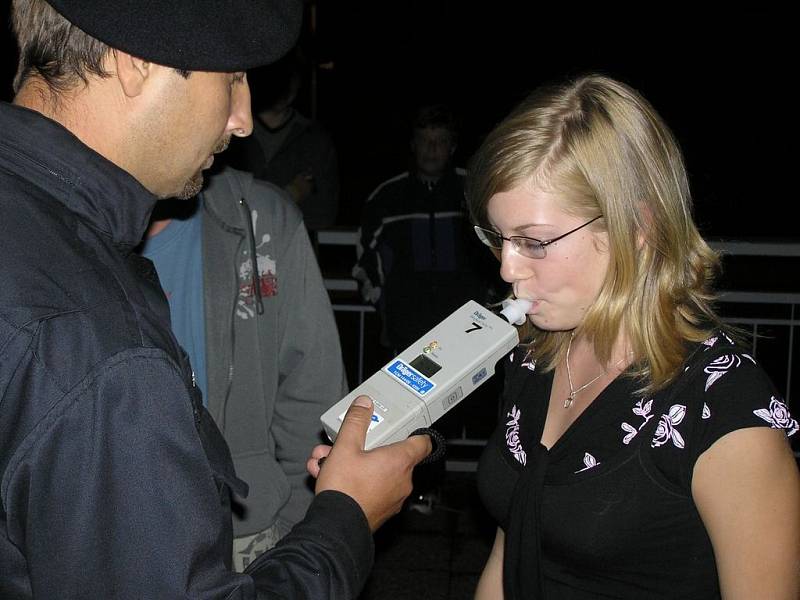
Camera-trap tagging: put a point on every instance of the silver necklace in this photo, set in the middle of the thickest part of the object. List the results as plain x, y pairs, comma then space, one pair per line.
572, 391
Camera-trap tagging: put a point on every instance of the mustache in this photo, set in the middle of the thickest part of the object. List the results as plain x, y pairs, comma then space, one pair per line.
222, 145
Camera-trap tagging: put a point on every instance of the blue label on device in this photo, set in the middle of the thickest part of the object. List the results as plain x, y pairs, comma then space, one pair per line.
410, 377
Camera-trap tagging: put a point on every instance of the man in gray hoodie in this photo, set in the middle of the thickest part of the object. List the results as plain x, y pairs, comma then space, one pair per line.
248, 304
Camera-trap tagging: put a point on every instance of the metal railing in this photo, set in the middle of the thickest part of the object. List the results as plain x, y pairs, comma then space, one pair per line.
347, 237
787, 301
757, 324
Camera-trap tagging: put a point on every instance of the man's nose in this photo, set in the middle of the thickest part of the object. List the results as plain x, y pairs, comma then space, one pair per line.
240, 122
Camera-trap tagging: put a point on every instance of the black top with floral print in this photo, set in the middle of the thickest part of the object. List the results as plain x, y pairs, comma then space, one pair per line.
616, 516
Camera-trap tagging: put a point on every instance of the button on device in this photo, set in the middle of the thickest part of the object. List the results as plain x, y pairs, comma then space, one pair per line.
434, 345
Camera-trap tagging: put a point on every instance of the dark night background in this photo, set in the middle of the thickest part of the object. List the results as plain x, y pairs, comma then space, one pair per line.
720, 81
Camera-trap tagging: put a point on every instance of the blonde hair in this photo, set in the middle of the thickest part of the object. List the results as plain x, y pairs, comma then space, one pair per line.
603, 147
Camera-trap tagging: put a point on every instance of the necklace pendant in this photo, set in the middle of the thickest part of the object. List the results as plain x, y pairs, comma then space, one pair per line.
569, 400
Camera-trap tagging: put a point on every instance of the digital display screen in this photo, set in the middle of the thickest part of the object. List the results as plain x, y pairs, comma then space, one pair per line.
425, 365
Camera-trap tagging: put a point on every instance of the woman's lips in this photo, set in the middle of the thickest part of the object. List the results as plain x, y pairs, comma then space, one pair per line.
534, 303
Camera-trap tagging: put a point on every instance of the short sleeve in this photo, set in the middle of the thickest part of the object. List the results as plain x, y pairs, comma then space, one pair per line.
738, 394
729, 391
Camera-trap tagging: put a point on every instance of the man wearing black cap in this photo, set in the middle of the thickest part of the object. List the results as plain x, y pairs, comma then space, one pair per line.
114, 480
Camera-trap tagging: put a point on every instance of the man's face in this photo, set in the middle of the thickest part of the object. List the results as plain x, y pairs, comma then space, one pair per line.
191, 119
432, 148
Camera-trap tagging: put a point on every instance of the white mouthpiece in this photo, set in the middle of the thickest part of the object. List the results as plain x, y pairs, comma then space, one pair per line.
515, 310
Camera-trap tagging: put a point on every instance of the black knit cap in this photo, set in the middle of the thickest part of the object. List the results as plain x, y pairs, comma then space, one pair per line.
193, 35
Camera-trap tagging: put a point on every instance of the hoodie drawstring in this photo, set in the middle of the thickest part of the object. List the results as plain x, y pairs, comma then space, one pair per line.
253, 260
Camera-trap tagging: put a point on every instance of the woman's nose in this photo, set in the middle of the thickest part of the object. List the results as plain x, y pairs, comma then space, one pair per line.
513, 266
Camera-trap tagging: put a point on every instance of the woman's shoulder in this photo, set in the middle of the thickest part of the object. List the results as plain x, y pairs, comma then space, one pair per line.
722, 389
724, 385
721, 373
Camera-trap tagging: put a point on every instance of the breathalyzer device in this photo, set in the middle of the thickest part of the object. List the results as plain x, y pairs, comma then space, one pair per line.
434, 373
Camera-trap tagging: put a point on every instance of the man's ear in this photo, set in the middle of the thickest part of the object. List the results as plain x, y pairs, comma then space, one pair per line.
132, 72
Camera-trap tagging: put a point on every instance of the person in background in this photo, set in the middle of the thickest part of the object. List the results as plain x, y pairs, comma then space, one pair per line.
641, 451
116, 482
418, 260
236, 270
287, 148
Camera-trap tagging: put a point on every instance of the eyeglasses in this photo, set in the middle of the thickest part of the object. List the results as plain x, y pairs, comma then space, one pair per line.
524, 246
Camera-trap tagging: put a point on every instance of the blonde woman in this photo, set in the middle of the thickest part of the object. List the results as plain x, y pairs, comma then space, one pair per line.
641, 451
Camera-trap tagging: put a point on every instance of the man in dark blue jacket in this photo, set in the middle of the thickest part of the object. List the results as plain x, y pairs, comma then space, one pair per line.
114, 480
419, 260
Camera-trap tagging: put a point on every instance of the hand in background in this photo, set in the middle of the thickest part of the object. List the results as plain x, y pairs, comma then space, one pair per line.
302, 186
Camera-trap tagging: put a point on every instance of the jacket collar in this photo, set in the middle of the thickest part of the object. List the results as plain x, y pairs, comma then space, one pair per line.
50, 157
448, 175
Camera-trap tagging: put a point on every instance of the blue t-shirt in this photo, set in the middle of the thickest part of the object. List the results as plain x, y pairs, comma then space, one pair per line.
176, 252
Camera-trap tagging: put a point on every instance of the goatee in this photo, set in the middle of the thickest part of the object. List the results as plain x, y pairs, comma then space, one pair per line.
195, 184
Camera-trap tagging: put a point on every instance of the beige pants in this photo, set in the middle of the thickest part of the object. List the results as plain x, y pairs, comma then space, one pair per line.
247, 548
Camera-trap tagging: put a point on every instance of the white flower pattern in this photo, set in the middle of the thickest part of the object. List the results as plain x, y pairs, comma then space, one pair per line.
667, 431
710, 342
589, 461
777, 415
630, 433
641, 409
528, 362
512, 436
720, 366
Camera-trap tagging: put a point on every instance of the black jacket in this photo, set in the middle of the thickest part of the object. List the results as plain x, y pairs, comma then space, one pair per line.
418, 247
114, 480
